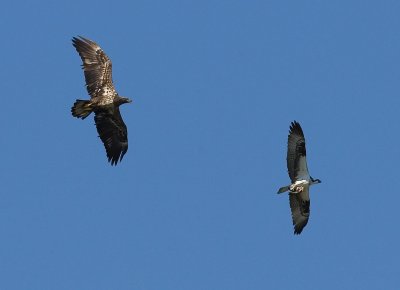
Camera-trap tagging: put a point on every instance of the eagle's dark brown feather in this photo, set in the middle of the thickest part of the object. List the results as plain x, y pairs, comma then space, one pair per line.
104, 101
112, 131
96, 65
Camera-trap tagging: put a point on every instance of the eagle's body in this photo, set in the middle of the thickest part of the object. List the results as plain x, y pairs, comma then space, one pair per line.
104, 101
299, 198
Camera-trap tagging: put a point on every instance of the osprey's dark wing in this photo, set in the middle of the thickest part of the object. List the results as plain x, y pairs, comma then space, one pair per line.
97, 67
296, 153
300, 207
112, 131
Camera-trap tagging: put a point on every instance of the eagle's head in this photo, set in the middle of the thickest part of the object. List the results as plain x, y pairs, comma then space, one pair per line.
123, 100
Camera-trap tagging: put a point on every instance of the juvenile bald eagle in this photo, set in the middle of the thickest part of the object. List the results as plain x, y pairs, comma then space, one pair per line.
299, 198
104, 100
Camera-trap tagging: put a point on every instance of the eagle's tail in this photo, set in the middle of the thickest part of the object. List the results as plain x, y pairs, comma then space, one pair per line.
81, 109
283, 189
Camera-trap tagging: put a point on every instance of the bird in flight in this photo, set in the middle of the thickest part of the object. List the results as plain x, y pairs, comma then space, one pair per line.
104, 99
299, 197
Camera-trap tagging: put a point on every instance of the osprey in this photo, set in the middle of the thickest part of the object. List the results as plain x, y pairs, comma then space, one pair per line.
299, 198
104, 100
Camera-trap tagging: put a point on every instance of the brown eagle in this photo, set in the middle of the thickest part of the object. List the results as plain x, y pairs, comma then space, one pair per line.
299, 197
104, 99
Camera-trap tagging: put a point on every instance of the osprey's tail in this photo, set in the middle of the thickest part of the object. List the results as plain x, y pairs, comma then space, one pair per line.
283, 189
81, 109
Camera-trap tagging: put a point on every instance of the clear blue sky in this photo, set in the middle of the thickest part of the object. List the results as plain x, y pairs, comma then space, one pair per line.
192, 206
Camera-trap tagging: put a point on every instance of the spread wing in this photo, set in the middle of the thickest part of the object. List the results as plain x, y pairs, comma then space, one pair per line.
112, 132
300, 207
97, 67
296, 153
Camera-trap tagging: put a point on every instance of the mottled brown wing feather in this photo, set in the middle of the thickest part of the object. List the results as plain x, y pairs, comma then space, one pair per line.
300, 207
112, 132
296, 149
96, 65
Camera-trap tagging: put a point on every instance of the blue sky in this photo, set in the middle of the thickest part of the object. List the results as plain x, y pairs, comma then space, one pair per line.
192, 206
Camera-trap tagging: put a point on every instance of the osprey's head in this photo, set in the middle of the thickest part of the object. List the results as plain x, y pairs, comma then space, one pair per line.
315, 181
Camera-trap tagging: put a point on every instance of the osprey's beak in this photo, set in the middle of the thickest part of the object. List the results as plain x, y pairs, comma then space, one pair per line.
129, 100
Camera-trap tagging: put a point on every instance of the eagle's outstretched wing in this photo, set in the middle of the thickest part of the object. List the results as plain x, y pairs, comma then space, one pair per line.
97, 67
300, 207
112, 131
296, 153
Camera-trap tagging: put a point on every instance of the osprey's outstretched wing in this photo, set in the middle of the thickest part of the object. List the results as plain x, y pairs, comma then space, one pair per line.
296, 153
112, 131
97, 68
300, 207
